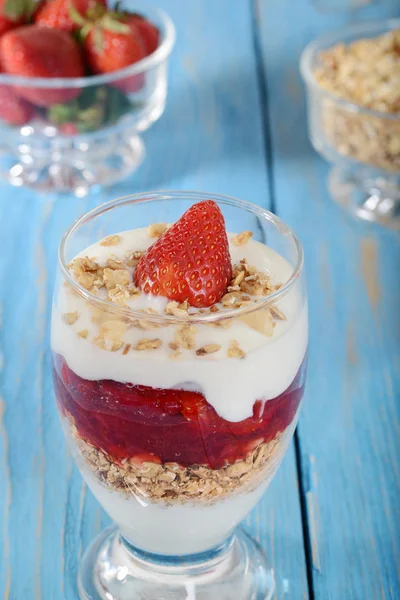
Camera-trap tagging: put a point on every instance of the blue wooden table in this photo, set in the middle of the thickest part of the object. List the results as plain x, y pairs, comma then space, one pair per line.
235, 124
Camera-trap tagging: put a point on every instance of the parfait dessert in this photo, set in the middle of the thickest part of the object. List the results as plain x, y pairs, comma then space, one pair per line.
179, 357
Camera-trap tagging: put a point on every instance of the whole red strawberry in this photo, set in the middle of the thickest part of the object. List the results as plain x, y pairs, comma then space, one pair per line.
34, 51
14, 13
64, 14
111, 45
14, 110
191, 260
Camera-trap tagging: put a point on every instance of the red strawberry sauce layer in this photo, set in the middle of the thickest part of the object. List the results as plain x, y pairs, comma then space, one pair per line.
163, 425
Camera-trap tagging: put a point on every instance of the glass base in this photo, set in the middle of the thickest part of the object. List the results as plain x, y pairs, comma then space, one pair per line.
112, 569
373, 199
76, 165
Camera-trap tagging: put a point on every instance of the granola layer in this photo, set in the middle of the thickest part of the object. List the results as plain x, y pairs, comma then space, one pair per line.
247, 287
172, 483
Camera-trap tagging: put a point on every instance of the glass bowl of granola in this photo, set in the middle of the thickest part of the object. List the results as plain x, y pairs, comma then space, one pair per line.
353, 90
73, 123
179, 362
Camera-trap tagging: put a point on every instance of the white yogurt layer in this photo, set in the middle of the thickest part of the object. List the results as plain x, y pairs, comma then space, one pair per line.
230, 385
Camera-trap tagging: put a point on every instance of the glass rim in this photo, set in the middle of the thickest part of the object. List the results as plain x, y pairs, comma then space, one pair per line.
166, 195
336, 36
146, 63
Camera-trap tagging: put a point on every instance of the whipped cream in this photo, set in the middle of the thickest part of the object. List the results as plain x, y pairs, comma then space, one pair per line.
230, 385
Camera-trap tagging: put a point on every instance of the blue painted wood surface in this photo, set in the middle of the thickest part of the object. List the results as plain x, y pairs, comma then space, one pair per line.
234, 124
348, 434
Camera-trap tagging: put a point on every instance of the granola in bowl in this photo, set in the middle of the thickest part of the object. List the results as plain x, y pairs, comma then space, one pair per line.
365, 74
352, 79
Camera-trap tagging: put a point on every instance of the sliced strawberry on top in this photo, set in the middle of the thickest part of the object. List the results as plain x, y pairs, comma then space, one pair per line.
191, 260
66, 14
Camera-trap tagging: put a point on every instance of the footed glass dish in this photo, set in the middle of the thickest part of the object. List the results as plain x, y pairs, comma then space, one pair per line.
178, 417
362, 144
85, 132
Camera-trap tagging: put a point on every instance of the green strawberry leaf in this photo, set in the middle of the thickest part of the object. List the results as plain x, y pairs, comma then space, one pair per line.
96, 107
15, 9
112, 24
82, 34
76, 15
98, 39
91, 119
31, 7
63, 113
96, 12
117, 105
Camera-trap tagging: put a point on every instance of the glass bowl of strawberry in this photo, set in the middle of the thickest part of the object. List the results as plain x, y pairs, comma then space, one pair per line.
179, 353
80, 80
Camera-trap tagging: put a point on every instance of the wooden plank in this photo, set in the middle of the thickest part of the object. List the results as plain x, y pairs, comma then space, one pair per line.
349, 429
210, 138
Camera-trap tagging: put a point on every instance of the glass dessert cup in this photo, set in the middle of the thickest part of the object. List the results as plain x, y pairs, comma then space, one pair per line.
77, 134
362, 144
177, 440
